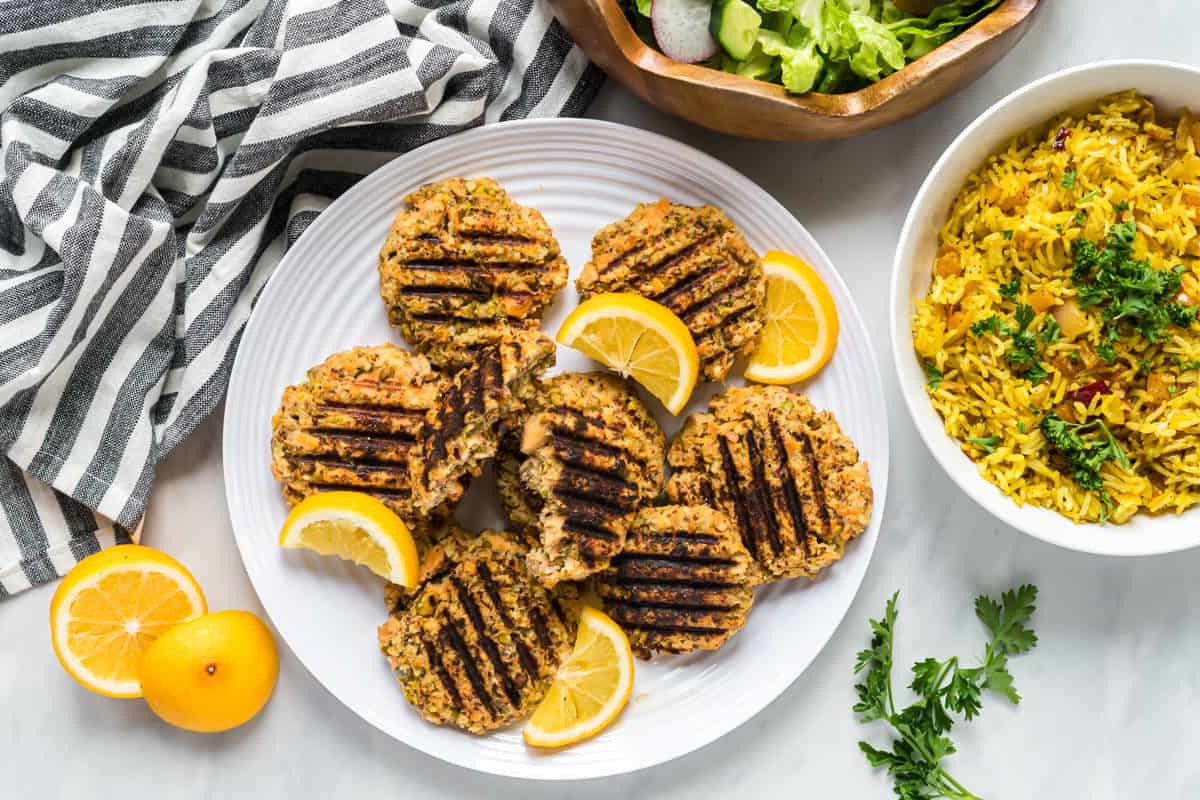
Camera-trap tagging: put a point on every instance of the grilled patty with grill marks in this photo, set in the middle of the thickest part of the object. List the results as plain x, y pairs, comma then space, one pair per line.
463, 431
784, 472
381, 420
479, 642
521, 506
693, 261
682, 582
592, 454
463, 264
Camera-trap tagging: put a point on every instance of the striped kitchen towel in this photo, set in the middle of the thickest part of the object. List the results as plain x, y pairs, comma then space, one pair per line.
156, 160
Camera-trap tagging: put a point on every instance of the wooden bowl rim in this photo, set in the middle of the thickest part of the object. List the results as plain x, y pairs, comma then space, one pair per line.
850, 104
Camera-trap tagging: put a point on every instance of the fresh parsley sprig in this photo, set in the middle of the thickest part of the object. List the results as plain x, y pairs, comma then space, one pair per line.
943, 687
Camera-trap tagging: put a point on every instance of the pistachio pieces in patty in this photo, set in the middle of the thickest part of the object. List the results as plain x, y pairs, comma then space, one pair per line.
464, 266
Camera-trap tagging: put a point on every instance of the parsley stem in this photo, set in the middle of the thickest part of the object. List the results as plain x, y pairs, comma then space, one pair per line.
961, 791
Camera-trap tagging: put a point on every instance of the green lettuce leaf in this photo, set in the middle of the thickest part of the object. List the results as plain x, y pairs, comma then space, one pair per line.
920, 35
879, 51
776, 5
799, 61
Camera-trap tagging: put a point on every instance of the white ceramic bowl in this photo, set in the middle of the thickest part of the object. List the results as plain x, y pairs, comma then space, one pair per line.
1171, 86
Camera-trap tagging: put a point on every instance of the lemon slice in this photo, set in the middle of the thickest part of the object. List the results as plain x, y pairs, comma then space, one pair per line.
639, 339
802, 324
111, 607
591, 688
358, 528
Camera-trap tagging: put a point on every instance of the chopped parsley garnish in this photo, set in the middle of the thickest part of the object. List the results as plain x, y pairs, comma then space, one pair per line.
933, 375
1050, 330
1143, 366
1011, 289
1087, 197
1186, 365
1127, 290
1008, 235
1068, 179
1106, 352
990, 324
1121, 207
1181, 315
1023, 354
1080, 217
1021, 427
1084, 457
985, 443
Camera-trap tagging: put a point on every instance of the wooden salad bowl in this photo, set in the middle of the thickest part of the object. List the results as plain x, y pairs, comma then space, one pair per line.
759, 110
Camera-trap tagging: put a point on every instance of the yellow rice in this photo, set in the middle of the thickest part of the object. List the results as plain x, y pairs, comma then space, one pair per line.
1122, 152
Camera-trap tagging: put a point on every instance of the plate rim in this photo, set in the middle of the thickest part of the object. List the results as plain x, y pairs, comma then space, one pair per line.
871, 381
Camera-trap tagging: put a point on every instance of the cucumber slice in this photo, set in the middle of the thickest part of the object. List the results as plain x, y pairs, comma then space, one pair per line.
735, 25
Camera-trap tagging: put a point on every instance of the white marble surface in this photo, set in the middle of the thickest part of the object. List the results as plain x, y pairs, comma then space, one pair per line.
1109, 693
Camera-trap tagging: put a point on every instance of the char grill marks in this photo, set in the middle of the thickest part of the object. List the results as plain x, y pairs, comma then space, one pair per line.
381, 420
681, 583
463, 264
478, 644
593, 456
695, 262
786, 475
356, 424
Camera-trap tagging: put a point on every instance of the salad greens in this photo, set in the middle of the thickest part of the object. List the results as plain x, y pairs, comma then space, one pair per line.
922, 730
832, 46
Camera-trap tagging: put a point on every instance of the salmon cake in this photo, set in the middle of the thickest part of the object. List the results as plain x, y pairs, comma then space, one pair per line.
463, 265
462, 432
683, 581
784, 472
590, 454
478, 643
381, 420
695, 262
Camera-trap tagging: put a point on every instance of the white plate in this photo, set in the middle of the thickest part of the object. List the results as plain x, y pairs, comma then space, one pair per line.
324, 298
1171, 86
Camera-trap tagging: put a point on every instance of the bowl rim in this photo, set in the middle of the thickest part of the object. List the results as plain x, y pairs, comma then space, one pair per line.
835, 106
1038, 522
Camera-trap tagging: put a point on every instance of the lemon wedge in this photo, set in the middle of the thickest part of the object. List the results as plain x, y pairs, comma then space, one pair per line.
591, 688
638, 338
802, 323
111, 607
358, 528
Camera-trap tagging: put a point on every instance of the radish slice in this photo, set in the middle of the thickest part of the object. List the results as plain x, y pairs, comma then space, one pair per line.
681, 29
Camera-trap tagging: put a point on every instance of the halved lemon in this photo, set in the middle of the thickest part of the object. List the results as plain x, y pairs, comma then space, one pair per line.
591, 688
111, 607
358, 528
638, 338
802, 323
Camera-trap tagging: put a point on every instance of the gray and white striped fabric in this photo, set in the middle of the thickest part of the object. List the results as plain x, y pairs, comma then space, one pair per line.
156, 160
